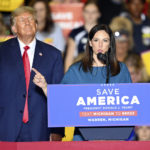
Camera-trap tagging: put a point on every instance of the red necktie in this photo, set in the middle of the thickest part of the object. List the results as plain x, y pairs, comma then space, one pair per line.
26, 64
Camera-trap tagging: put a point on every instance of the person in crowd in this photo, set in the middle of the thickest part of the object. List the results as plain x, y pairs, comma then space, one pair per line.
78, 37
136, 68
64, 1
148, 8
3, 28
115, 7
47, 30
141, 25
123, 32
71, 1
5, 33
122, 44
99, 65
142, 133
23, 105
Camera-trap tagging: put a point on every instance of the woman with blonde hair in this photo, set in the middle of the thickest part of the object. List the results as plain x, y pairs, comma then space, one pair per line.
122, 29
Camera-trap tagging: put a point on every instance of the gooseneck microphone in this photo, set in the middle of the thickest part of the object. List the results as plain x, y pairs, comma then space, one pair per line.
104, 58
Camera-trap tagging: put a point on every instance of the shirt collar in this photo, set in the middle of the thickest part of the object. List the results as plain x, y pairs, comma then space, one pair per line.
31, 45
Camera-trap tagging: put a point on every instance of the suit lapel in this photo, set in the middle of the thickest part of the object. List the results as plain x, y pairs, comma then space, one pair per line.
17, 58
37, 61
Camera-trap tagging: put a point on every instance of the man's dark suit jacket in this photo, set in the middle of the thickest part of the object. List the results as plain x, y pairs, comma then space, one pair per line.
48, 61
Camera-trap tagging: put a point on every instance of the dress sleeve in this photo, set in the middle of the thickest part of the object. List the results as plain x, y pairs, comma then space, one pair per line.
67, 77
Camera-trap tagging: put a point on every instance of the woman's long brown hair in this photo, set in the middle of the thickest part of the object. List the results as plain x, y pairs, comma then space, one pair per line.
49, 24
112, 64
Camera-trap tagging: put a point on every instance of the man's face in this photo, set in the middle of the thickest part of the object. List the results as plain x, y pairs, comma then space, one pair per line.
24, 25
135, 8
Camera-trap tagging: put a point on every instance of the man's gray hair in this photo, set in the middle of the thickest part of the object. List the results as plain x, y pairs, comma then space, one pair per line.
21, 10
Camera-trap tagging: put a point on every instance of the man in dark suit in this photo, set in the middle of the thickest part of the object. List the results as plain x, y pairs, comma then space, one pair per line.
23, 105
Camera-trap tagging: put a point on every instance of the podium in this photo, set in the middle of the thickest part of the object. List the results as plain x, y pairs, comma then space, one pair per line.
113, 109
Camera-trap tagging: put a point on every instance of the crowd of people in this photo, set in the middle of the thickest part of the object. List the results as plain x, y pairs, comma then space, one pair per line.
106, 49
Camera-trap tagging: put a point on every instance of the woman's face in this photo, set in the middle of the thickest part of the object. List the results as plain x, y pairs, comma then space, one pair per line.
100, 42
143, 133
91, 14
122, 44
40, 11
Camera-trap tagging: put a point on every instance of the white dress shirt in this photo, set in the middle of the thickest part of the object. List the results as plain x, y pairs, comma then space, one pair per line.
30, 52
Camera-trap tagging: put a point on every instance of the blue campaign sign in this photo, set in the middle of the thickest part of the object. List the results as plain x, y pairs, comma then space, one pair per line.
99, 104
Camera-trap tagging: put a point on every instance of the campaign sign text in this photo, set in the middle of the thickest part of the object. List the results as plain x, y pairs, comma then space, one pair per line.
99, 105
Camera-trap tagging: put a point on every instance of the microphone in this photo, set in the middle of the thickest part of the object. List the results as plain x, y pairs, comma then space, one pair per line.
102, 57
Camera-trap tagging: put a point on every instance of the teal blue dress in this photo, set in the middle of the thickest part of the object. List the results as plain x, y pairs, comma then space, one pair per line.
76, 75
98, 75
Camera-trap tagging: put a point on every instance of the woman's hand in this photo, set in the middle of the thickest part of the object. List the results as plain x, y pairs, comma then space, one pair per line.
40, 81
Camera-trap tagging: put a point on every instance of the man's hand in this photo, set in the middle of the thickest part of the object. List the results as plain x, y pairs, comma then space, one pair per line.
40, 81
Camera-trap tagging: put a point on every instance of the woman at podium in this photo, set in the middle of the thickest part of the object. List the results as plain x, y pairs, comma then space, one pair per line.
99, 65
